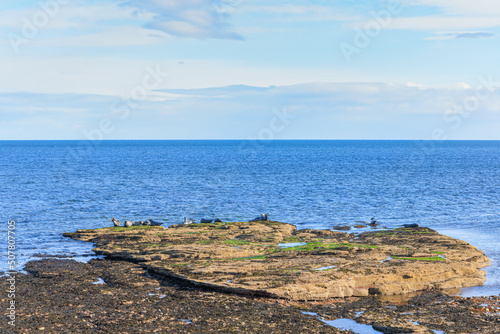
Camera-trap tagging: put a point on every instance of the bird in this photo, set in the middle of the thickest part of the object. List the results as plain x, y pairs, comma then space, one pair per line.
129, 223
373, 221
116, 222
188, 222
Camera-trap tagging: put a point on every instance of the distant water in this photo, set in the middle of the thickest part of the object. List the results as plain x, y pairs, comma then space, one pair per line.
51, 187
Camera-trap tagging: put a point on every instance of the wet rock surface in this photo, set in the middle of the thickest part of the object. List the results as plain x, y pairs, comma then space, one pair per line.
65, 296
273, 259
429, 312
103, 296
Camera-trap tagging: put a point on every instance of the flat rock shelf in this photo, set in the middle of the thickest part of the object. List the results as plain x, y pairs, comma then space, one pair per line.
253, 258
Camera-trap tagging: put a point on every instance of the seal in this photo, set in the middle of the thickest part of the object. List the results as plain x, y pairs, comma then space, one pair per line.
262, 217
153, 223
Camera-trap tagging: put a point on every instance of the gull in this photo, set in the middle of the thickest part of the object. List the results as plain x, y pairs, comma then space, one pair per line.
188, 222
116, 222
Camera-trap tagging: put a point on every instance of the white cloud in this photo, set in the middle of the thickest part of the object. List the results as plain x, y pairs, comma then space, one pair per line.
463, 85
78, 25
117, 76
464, 7
71, 16
290, 12
128, 23
107, 37
453, 15
438, 22
187, 18
321, 110
461, 35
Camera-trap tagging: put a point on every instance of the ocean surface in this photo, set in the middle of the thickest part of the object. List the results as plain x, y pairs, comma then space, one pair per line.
52, 187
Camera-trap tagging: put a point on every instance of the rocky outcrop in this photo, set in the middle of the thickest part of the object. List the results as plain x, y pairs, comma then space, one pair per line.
275, 259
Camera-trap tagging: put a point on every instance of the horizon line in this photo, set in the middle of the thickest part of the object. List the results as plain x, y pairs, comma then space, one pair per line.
252, 139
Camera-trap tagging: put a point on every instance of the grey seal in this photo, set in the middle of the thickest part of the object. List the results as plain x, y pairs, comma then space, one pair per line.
262, 217
410, 225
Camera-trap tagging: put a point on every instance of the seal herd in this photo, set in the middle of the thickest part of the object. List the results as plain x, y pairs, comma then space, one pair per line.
151, 222
129, 223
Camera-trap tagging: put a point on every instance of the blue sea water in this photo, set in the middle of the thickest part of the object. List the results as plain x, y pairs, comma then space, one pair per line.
52, 187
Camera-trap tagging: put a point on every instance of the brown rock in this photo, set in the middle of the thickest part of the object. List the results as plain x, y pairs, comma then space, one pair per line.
245, 258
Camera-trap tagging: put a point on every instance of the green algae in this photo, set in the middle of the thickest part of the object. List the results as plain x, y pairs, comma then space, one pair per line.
205, 242
235, 242
158, 245
258, 257
318, 246
202, 225
433, 258
213, 225
292, 239
400, 231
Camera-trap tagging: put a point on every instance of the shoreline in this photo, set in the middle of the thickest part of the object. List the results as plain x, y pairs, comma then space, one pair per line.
65, 296
121, 293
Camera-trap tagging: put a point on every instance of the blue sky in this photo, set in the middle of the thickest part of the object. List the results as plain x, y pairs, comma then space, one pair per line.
206, 69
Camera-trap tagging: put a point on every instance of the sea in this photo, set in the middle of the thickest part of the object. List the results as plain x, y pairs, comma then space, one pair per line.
51, 187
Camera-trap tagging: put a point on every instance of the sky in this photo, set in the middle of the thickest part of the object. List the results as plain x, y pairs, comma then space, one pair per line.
239, 69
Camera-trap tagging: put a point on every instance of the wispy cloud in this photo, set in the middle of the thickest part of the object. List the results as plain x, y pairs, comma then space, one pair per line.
188, 18
129, 23
475, 35
463, 7
73, 15
461, 35
443, 22
125, 35
450, 15
288, 12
